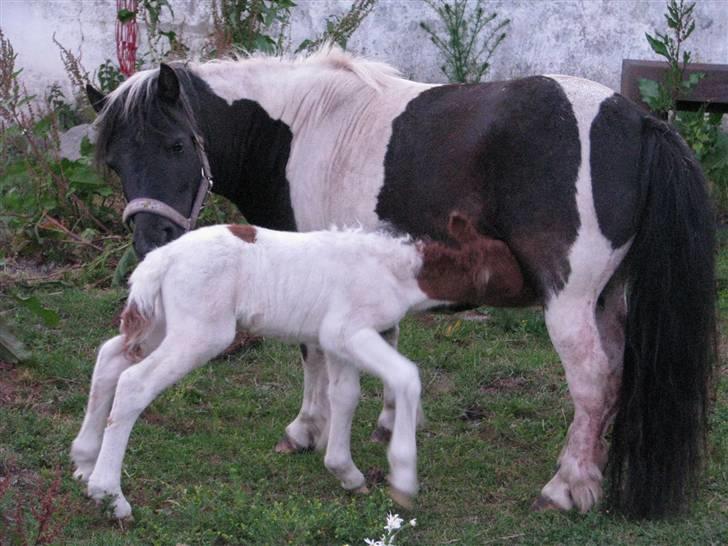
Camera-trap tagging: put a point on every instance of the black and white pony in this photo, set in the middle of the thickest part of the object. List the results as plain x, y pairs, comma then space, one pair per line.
603, 206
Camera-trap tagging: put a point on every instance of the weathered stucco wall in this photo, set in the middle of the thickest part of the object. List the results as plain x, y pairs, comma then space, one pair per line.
587, 38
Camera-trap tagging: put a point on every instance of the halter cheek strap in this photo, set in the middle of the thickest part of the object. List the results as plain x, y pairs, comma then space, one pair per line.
153, 206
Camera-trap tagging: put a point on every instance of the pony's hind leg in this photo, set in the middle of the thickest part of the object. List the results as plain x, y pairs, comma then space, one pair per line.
309, 429
110, 364
588, 334
137, 387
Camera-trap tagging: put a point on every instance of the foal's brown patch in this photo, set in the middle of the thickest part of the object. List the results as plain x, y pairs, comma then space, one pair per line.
480, 270
244, 231
133, 327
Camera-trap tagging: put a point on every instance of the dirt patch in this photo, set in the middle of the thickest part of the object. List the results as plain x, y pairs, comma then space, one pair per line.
18, 389
505, 384
441, 383
425, 319
474, 315
474, 412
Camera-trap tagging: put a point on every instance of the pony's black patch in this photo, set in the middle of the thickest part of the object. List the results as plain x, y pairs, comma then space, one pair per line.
506, 153
248, 152
616, 136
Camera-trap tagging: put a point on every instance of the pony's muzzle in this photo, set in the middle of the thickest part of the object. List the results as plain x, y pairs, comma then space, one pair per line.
152, 231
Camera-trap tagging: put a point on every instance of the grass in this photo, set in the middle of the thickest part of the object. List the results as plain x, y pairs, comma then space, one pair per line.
200, 468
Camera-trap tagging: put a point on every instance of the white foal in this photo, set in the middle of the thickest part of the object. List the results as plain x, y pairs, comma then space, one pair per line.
337, 289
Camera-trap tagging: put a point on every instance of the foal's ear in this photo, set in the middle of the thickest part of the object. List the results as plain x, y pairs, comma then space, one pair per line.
95, 97
168, 84
461, 228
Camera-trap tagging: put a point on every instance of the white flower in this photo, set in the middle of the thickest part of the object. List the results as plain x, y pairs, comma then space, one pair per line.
371, 542
413, 522
394, 522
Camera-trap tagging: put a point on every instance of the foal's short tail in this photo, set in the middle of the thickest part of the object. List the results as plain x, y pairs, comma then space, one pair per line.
658, 446
144, 303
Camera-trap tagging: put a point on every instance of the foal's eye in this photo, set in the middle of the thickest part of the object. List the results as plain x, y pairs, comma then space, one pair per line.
177, 147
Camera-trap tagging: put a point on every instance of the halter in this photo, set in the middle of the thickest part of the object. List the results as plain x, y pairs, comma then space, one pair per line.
153, 206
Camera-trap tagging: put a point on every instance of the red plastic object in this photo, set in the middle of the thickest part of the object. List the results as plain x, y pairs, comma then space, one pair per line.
126, 37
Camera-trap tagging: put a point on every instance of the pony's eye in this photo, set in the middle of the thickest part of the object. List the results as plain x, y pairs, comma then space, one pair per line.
177, 147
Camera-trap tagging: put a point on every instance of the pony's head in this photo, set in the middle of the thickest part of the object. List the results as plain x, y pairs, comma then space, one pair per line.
148, 136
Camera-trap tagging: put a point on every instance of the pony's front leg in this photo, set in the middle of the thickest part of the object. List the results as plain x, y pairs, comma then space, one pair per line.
590, 342
309, 430
137, 387
344, 397
110, 363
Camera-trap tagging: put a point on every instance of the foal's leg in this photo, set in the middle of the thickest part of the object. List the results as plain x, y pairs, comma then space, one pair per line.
589, 337
310, 427
385, 423
110, 364
138, 386
343, 397
371, 353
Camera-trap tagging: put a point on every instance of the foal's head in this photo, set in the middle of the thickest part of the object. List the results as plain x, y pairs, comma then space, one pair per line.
147, 135
478, 270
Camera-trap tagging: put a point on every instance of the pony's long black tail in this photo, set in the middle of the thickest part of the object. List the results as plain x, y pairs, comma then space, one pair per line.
658, 445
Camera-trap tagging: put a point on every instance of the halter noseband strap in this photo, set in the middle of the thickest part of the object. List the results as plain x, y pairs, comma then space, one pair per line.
153, 206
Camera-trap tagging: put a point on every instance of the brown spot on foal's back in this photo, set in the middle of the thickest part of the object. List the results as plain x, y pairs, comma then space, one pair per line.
244, 231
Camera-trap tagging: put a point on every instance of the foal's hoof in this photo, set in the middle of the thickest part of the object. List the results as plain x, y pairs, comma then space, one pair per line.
381, 435
82, 474
122, 510
361, 490
401, 498
543, 503
287, 445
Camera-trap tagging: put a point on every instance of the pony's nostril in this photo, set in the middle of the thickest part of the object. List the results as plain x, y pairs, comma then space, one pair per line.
168, 234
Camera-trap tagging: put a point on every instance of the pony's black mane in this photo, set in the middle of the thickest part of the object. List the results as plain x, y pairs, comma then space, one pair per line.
134, 102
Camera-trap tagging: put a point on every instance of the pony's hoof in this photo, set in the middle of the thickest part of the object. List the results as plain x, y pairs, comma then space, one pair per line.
381, 435
287, 446
401, 498
543, 503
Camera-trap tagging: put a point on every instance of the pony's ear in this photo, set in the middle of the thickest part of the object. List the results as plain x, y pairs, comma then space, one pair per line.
95, 97
168, 84
461, 228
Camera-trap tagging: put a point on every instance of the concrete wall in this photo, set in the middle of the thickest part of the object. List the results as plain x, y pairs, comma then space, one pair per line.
587, 38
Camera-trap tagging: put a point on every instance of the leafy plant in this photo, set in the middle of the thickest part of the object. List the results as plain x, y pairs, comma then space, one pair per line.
53, 206
701, 130
36, 518
162, 44
662, 97
471, 38
108, 76
339, 28
245, 26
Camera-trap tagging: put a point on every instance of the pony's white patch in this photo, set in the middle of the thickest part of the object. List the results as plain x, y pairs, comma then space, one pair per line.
571, 320
337, 106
